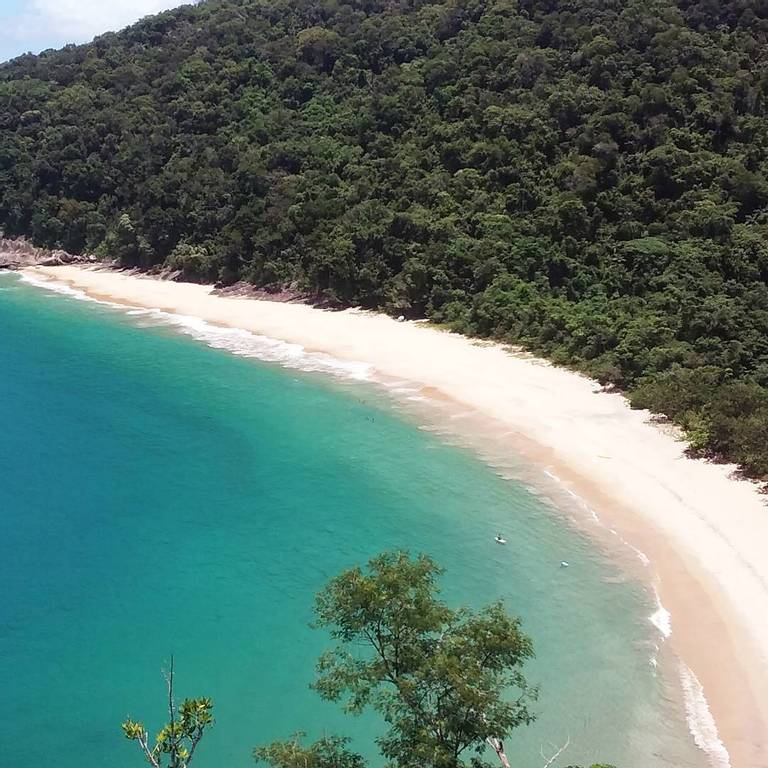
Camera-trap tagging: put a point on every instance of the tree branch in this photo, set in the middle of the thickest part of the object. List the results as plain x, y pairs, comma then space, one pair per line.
195, 742
169, 681
557, 754
497, 745
144, 743
392, 675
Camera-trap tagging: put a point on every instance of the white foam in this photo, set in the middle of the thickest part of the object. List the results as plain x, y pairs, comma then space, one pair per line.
246, 344
235, 340
401, 387
661, 618
461, 415
700, 721
575, 496
583, 504
641, 556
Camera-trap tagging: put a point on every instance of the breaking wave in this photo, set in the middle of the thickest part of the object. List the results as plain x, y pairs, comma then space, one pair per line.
238, 341
700, 721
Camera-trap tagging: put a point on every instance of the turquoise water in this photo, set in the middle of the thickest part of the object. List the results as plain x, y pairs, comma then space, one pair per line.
159, 496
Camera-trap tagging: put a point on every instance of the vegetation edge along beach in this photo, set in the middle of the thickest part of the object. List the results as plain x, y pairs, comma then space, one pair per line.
710, 566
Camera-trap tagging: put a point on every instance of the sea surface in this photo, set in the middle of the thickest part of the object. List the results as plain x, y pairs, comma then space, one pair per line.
161, 495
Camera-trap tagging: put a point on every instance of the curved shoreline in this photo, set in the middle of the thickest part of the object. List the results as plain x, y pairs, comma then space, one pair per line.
703, 531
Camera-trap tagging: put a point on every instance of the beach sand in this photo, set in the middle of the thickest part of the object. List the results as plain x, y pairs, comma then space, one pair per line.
705, 533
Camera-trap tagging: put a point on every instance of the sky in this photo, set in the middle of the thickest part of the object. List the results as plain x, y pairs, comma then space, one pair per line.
34, 25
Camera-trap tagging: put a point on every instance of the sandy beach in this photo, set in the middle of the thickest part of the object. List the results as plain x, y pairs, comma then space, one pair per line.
703, 532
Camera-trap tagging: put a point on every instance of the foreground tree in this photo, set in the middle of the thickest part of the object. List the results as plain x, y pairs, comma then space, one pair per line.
328, 752
447, 682
180, 737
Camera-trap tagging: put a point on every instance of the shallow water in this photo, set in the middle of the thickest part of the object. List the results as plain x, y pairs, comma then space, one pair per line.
161, 496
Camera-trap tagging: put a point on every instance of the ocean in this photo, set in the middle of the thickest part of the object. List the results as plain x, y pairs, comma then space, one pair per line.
167, 487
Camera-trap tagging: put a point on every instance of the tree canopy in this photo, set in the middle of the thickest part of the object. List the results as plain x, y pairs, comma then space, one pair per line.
177, 741
588, 179
448, 683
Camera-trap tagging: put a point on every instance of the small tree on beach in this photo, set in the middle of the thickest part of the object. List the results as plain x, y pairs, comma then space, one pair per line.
447, 682
180, 737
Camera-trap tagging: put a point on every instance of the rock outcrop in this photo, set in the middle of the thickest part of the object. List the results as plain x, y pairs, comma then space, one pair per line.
20, 253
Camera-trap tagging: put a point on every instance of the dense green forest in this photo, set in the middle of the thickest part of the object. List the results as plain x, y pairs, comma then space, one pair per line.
586, 178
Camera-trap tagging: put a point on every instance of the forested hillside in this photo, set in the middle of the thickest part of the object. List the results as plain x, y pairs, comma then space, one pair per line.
587, 178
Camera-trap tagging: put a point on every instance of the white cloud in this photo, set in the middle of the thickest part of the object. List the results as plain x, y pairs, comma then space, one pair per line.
54, 23
84, 19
